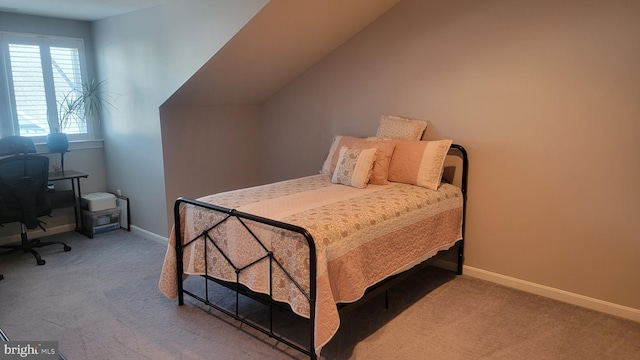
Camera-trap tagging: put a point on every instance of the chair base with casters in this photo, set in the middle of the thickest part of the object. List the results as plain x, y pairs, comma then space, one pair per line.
27, 245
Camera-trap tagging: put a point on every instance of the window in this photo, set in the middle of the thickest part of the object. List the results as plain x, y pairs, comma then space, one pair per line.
41, 73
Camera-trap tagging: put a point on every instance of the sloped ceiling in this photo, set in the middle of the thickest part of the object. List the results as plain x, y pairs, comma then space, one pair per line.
86, 10
283, 40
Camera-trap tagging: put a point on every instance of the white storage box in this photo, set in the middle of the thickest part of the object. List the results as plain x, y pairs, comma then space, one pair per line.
97, 222
98, 201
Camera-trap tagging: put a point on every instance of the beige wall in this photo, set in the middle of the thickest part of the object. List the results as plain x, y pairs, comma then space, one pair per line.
544, 96
209, 150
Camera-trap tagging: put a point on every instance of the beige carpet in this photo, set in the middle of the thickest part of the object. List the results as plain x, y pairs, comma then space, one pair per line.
101, 301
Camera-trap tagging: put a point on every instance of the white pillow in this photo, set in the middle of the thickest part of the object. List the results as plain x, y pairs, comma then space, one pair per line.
354, 167
396, 127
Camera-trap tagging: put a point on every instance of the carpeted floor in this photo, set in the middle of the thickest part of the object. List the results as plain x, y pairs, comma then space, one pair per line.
101, 301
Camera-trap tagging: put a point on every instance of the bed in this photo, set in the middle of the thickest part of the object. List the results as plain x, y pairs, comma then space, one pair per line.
315, 243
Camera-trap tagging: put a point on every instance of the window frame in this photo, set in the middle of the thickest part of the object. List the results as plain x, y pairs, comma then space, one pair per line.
8, 118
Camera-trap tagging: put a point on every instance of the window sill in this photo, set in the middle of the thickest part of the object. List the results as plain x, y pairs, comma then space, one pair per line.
75, 145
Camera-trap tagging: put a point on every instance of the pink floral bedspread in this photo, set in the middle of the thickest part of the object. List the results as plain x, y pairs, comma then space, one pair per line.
362, 236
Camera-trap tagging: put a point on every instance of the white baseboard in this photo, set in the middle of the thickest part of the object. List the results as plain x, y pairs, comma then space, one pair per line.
556, 294
32, 234
148, 234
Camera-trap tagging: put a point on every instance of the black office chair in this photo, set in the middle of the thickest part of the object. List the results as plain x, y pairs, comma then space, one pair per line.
23, 193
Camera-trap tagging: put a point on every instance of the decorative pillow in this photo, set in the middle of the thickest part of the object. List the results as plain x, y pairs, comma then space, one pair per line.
396, 127
419, 162
354, 167
383, 156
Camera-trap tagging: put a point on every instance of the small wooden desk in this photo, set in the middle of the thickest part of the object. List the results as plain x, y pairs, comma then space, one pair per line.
74, 177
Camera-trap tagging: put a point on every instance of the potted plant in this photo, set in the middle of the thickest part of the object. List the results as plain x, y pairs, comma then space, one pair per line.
75, 108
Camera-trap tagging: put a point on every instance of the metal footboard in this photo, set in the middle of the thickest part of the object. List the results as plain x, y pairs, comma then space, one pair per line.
205, 237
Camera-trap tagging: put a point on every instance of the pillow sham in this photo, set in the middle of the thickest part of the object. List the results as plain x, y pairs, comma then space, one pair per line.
383, 156
419, 162
396, 127
354, 167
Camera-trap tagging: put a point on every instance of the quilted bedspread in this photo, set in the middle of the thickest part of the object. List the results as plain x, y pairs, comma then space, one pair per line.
362, 236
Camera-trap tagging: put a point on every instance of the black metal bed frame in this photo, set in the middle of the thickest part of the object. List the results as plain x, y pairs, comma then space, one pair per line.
310, 295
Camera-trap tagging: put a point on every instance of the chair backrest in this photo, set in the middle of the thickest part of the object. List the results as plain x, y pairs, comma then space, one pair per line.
14, 145
23, 189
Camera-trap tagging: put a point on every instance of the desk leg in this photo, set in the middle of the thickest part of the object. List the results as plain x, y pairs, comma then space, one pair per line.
78, 209
78, 205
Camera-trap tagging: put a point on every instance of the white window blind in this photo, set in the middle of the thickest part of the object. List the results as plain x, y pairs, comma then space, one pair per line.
28, 89
41, 73
67, 81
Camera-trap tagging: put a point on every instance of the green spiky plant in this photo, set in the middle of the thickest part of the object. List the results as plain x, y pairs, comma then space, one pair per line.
77, 107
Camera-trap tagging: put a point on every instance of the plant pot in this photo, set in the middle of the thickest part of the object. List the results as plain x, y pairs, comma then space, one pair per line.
57, 142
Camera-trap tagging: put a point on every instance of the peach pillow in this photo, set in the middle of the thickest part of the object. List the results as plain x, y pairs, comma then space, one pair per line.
354, 167
419, 162
383, 156
396, 127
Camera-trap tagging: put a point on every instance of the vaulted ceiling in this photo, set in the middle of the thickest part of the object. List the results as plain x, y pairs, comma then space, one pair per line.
282, 41
86, 10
